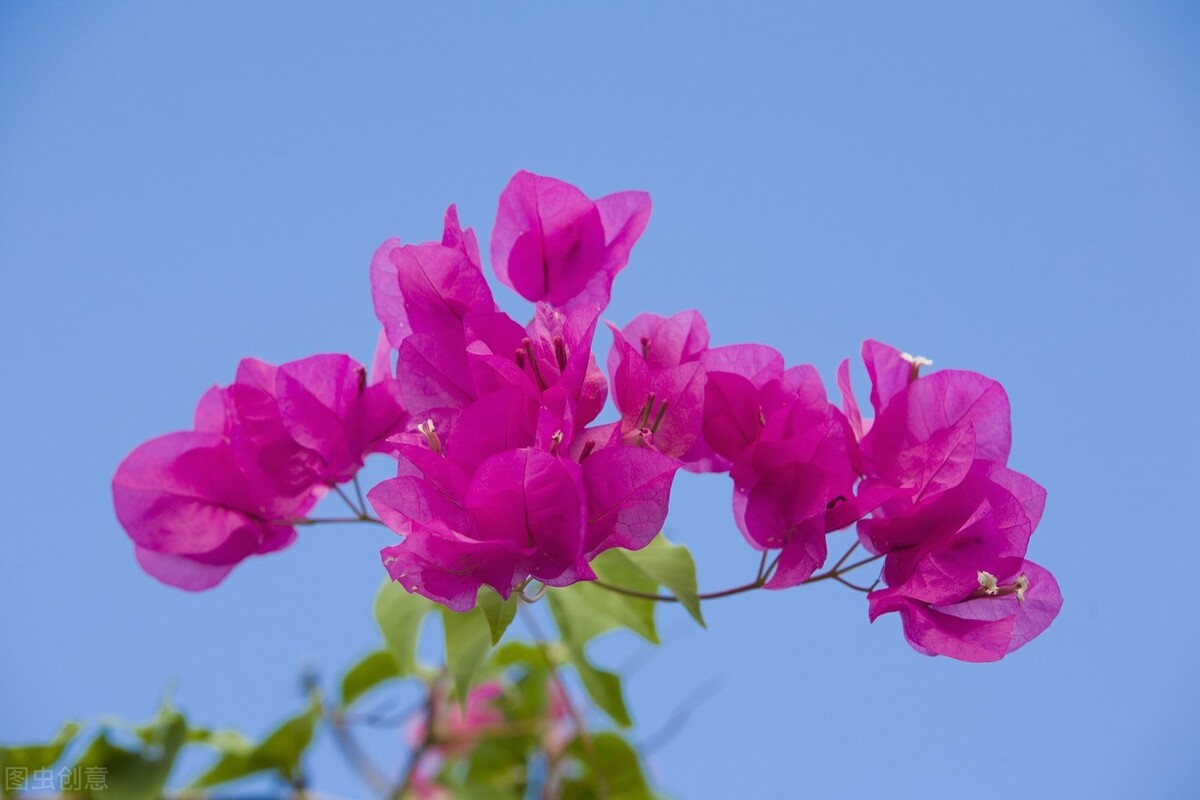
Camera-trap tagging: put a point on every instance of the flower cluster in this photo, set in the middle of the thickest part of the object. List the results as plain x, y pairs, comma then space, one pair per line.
951, 518
501, 481
260, 454
504, 475
738, 409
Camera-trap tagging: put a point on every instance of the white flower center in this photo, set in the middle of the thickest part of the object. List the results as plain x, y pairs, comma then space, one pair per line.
987, 582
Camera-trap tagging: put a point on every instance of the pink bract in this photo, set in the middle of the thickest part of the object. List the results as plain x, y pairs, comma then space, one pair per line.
552, 243
951, 519
263, 451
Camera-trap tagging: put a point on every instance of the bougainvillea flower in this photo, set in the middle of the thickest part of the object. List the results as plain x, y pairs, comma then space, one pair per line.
928, 430
493, 500
458, 726
263, 451
190, 510
790, 481
422, 295
992, 614
990, 515
552, 243
665, 405
430, 287
906, 531
735, 378
551, 362
666, 342
660, 356
628, 489
956, 568
456, 730
789, 450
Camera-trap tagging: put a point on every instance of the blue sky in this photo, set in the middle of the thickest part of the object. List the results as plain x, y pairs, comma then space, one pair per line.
1011, 188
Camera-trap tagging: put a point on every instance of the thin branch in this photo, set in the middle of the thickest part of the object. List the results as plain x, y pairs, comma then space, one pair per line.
385, 715
679, 717
835, 573
854, 586
764, 575
762, 567
589, 747
358, 510
356, 757
327, 520
670, 598
362, 503
414, 760
845, 555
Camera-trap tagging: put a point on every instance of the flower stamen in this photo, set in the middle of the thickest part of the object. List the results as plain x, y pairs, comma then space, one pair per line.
987, 582
915, 364
427, 430
560, 353
643, 418
1021, 586
527, 343
662, 412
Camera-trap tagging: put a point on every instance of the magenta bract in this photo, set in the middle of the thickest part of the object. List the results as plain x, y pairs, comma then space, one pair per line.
952, 521
552, 243
501, 481
263, 451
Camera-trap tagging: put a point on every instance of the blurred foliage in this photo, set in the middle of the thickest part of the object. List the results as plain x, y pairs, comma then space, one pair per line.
496, 720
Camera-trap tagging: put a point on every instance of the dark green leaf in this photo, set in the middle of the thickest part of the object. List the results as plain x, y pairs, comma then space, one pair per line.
370, 671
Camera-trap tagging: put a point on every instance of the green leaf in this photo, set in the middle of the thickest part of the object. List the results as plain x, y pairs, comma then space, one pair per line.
620, 775
477, 791
468, 641
602, 686
670, 566
499, 612
583, 611
399, 615
33, 757
370, 671
139, 774
500, 762
520, 653
219, 739
280, 751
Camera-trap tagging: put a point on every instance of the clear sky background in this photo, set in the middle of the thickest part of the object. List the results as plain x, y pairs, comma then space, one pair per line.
1007, 187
